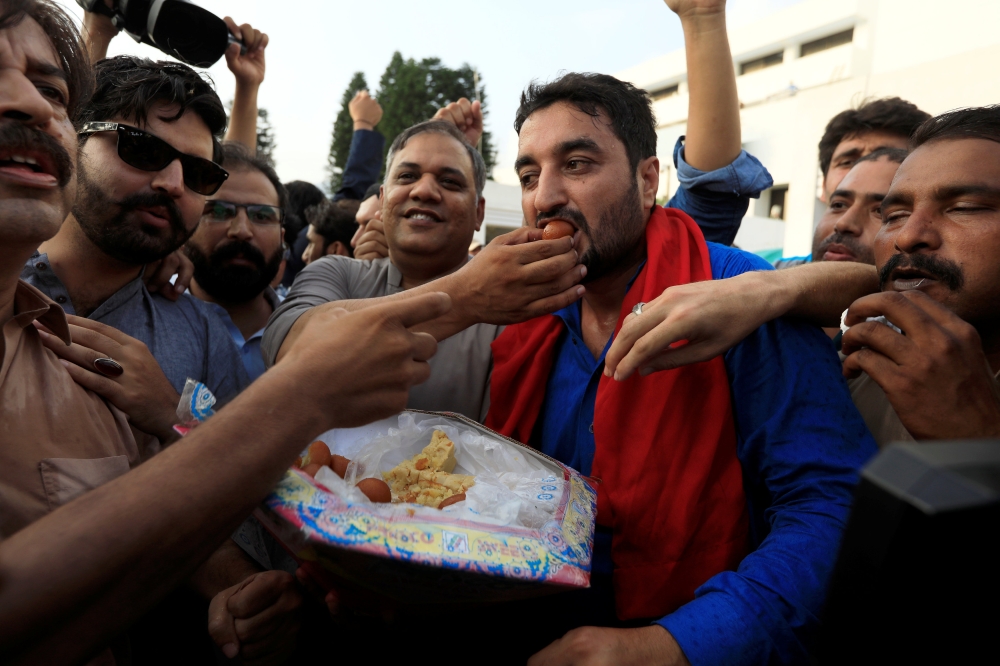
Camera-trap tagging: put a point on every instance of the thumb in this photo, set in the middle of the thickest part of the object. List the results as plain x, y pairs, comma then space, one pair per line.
412, 311
222, 625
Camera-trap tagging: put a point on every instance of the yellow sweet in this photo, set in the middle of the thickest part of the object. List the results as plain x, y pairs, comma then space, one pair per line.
426, 479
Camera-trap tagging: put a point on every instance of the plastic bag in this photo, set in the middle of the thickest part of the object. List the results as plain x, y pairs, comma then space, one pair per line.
510, 488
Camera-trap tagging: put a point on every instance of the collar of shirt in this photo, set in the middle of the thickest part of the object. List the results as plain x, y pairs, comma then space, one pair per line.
32, 305
40, 270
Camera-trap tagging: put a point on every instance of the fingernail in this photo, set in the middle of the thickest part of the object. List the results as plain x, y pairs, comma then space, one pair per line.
580, 291
179, 288
230, 650
583, 271
42, 333
607, 372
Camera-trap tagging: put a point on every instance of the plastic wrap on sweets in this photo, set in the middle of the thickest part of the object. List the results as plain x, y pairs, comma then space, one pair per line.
523, 527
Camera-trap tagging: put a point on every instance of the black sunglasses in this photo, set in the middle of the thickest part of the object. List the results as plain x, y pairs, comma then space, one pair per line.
142, 150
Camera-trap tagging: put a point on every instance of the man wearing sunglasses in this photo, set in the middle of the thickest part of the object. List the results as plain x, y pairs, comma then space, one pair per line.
238, 248
149, 158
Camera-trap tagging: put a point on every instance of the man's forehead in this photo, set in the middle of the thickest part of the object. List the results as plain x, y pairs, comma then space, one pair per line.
28, 45
561, 123
247, 186
874, 176
433, 151
949, 164
866, 142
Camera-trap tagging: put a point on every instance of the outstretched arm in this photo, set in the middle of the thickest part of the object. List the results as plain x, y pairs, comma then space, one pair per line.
77, 577
716, 315
248, 70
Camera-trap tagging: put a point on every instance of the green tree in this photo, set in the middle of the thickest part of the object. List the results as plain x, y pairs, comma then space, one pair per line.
343, 130
265, 137
411, 92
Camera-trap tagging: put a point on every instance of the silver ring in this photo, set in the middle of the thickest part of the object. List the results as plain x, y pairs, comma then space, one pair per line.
637, 309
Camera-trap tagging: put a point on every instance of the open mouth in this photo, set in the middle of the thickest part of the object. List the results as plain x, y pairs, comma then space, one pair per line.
422, 215
906, 279
30, 167
838, 252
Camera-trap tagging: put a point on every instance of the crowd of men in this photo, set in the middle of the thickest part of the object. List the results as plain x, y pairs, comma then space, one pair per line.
146, 244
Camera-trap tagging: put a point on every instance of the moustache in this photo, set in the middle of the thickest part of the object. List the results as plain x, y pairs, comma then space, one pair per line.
565, 213
238, 248
154, 200
944, 271
14, 136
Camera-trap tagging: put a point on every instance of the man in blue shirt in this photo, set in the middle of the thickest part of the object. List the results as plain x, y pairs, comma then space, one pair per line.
799, 439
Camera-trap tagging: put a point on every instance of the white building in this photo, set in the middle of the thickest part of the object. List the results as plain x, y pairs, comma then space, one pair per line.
503, 211
800, 66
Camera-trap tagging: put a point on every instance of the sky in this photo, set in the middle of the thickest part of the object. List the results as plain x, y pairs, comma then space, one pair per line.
316, 46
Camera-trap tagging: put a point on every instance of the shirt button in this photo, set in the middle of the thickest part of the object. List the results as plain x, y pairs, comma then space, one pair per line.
591, 428
41, 265
60, 299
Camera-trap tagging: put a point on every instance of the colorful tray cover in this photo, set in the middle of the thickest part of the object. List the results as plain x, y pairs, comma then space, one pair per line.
444, 559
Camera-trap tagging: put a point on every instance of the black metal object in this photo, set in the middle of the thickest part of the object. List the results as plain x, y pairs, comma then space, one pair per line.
918, 575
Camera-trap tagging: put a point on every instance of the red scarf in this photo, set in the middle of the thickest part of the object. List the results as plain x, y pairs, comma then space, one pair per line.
670, 483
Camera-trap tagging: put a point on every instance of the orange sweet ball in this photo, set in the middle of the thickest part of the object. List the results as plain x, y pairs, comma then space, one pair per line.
557, 229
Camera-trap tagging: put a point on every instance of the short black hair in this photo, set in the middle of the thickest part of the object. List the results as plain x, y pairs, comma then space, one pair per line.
891, 114
628, 108
301, 195
372, 191
333, 223
65, 39
896, 155
236, 157
982, 122
128, 87
441, 127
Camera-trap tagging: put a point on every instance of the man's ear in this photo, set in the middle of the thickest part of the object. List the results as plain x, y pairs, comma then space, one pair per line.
480, 212
648, 176
336, 247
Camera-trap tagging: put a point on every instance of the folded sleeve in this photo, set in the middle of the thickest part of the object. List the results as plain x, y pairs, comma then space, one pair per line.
364, 164
801, 443
718, 200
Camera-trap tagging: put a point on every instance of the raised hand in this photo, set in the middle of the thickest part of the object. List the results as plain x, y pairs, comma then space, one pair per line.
467, 116
258, 619
695, 8
140, 389
365, 111
248, 68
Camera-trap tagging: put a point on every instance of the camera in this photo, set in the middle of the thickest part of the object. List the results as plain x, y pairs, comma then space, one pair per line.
179, 28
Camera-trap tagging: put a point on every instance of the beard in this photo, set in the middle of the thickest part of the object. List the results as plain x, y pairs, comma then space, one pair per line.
614, 240
114, 227
862, 254
234, 283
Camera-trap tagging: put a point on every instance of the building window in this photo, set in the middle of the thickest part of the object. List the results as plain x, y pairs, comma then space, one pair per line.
828, 42
663, 93
778, 194
762, 63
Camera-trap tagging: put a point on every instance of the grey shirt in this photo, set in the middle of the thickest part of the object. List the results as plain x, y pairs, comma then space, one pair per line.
460, 371
185, 337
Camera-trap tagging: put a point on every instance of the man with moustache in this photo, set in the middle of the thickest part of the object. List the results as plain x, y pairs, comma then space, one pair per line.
148, 160
934, 377
237, 250
851, 135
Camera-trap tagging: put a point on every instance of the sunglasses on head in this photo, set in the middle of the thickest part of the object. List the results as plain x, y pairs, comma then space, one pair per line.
142, 150
217, 210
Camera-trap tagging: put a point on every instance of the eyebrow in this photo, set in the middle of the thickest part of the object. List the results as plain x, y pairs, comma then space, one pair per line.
582, 143
955, 191
868, 196
47, 69
452, 171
